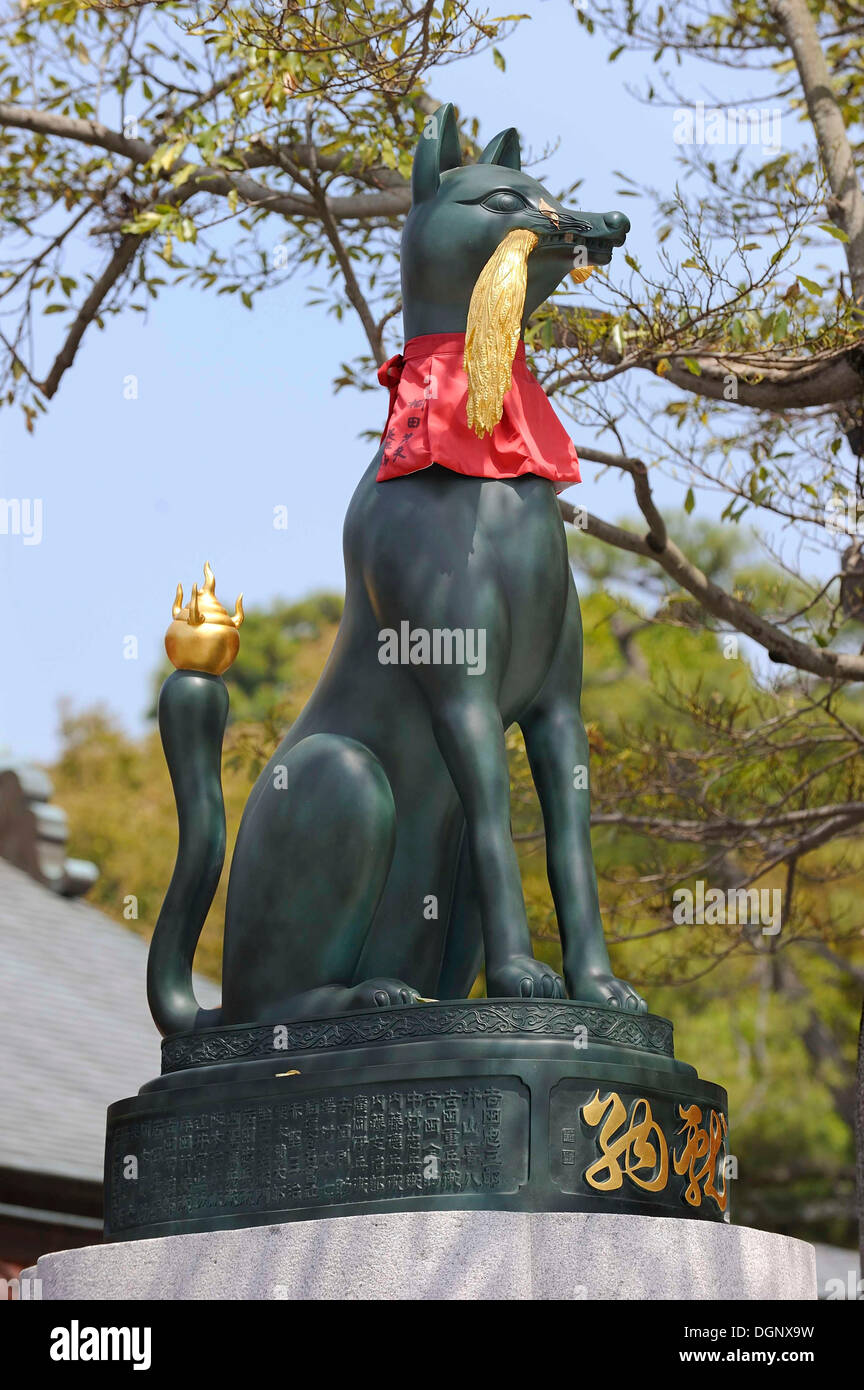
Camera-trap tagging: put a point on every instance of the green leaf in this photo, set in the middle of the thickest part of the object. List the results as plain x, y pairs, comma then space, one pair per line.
183, 174
499, 59
689, 501
833, 231
145, 222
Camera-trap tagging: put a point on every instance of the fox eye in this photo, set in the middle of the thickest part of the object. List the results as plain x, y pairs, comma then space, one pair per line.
504, 202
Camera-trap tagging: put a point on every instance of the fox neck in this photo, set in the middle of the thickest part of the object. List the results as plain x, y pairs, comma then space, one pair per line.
423, 318
438, 273
422, 315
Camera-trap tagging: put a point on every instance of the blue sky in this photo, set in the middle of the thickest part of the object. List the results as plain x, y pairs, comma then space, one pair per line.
235, 416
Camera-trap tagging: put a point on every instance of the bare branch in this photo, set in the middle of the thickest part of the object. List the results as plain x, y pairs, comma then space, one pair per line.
657, 537
119, 262
70, 128
781, 647
789, 385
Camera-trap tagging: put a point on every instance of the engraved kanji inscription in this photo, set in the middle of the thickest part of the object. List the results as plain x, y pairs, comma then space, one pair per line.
362, 1144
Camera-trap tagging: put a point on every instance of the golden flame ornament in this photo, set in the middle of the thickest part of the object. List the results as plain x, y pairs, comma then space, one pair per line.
203, 635
494, 327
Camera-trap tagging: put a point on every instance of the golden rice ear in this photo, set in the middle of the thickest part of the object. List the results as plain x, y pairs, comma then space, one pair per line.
494, 327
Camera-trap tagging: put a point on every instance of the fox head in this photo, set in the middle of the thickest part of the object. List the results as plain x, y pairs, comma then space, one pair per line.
461, 214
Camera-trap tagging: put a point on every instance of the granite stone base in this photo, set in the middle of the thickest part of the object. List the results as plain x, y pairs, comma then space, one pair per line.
488, 1255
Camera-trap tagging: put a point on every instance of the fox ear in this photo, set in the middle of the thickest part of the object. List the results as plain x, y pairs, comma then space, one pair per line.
438, 150
503, 149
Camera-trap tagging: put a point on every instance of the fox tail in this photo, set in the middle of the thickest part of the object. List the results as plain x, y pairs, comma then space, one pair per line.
193, 708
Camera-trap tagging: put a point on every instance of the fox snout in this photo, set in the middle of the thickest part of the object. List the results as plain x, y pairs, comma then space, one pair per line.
614, 229
593, 236
611, 228
618, 223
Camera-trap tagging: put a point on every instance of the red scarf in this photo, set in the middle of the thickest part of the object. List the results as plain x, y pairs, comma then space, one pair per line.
428, 421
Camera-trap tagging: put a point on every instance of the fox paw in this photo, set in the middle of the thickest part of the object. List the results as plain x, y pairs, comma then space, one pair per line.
383, 994
607, 989
523, 977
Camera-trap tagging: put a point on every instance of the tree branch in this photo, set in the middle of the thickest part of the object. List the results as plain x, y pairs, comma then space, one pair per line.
789, 385
799, 30
781, 647
657, 537
121, 259
720, 830
70, 128
392, 201
352, 284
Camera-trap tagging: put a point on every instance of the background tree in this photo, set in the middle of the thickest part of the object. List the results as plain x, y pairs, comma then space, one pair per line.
164, 136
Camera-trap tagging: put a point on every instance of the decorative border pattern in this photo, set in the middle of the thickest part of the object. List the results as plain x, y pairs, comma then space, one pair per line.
469, 1018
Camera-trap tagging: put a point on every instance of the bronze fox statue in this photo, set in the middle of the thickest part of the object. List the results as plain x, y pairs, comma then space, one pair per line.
374, 864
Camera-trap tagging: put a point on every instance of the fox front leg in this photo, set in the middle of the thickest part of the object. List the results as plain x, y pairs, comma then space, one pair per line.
557, 748
471, 738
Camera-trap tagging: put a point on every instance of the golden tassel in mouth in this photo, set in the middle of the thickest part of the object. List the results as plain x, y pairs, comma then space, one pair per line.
494, 326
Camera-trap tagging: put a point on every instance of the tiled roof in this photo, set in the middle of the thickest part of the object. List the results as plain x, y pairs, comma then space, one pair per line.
76, 1030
